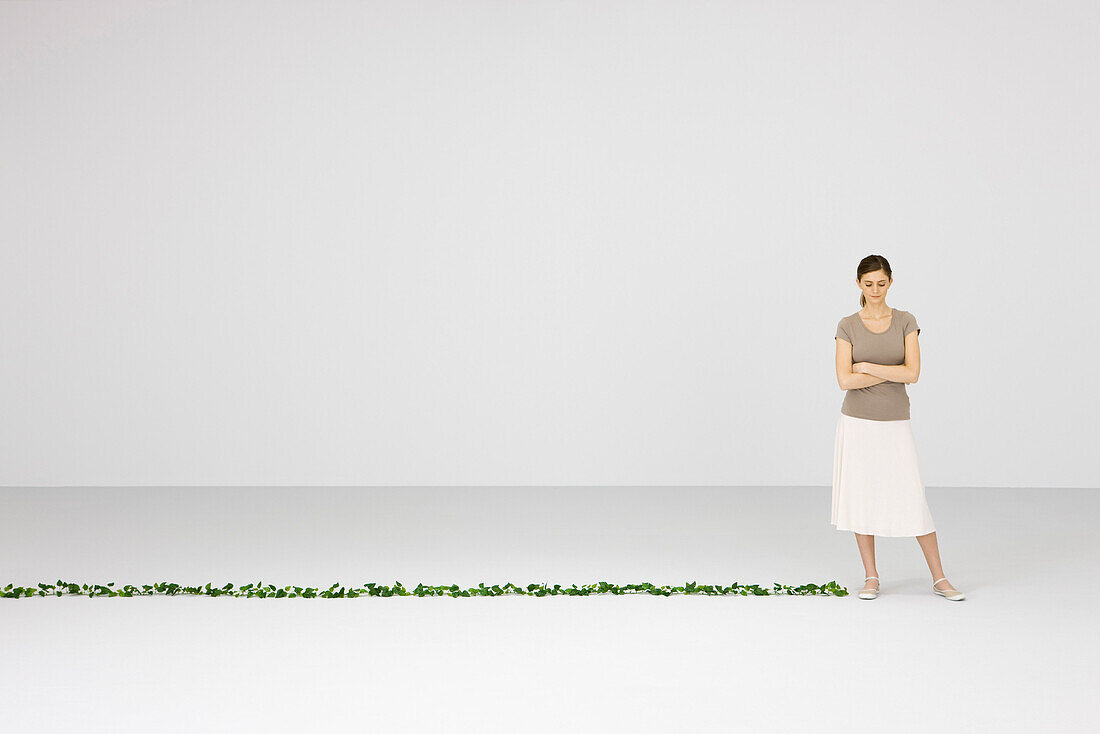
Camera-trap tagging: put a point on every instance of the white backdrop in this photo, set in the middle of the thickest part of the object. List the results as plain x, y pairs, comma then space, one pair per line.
538, 243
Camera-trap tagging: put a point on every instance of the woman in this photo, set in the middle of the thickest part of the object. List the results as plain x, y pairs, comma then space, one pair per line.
877, 484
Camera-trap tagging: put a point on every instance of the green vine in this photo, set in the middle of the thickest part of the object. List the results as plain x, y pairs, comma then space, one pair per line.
371, 589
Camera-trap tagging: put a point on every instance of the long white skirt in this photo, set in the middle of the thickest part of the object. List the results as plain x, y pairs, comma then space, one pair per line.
878, 488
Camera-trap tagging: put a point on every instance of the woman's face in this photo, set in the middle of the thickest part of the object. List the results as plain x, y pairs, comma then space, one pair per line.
874, 286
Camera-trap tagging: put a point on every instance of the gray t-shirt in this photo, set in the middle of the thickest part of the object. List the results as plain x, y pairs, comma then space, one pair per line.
886, 401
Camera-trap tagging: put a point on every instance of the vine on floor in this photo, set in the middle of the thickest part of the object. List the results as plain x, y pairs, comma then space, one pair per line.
371, 589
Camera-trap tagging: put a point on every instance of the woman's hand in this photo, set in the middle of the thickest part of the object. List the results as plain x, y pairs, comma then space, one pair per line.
857, 368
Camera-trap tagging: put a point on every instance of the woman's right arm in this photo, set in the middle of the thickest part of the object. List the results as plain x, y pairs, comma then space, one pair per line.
847, 379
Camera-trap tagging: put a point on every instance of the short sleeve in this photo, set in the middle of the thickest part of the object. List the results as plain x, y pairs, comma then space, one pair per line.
842, 332
910, 324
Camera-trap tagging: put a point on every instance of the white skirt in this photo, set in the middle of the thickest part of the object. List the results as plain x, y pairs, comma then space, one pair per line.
878, 488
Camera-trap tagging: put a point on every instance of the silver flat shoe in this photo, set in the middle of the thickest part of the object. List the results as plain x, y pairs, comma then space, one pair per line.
870, 593
949, 595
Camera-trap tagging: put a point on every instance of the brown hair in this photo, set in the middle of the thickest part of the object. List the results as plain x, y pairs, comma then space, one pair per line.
870, 264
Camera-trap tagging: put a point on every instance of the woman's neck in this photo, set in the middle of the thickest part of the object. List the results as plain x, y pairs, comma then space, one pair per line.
875, 314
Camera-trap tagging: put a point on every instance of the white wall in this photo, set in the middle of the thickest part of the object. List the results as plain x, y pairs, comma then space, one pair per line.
511, 243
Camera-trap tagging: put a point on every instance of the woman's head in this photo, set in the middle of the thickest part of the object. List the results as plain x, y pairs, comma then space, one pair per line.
874, 278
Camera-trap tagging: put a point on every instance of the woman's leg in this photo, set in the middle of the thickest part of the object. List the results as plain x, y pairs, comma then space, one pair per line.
931, 548
866, 545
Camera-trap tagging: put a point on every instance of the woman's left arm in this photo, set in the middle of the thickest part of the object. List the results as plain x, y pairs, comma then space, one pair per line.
908, 372
888, 372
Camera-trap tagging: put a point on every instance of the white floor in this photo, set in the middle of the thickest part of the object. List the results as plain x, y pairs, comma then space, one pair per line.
1019, 655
